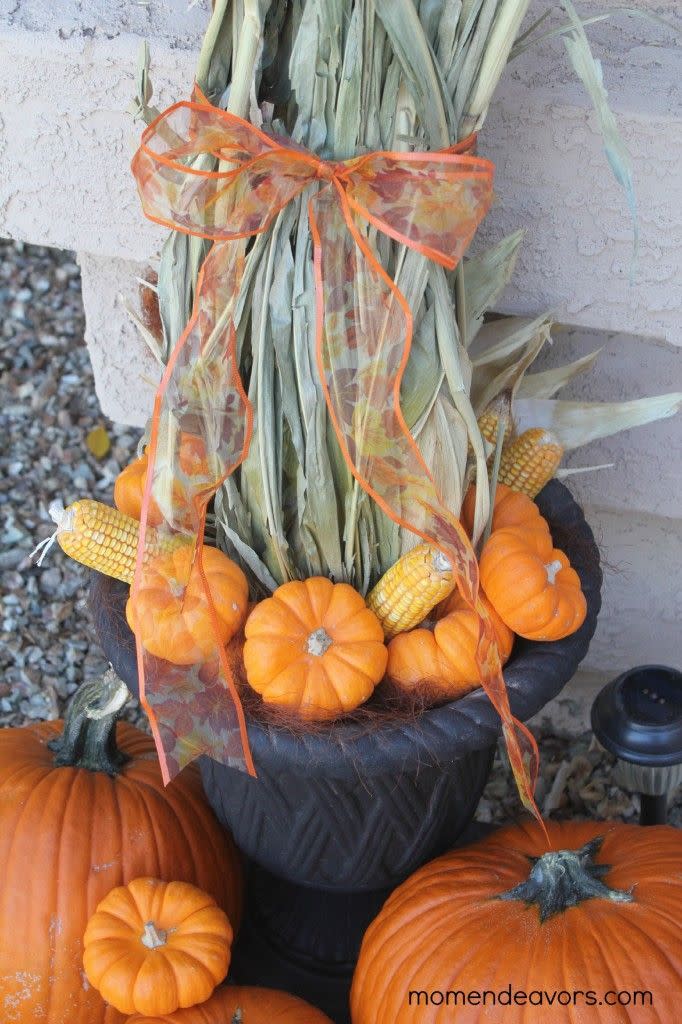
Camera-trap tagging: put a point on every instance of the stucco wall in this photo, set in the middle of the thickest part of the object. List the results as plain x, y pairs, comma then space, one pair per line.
67, 76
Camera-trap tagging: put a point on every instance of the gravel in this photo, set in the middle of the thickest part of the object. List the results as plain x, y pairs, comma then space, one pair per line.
47, 641
48, 407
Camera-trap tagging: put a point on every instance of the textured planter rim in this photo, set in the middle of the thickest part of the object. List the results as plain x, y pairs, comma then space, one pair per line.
535, 673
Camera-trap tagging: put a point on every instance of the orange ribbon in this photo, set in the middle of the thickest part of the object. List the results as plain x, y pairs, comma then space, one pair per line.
429, 202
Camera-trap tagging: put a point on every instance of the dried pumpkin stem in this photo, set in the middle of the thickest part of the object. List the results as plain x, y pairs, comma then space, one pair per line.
566, 878
153, 937
552, 568
319, 642
238, 1016
89, 737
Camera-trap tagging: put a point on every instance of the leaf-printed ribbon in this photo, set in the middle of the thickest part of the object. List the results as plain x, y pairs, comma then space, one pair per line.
430, 202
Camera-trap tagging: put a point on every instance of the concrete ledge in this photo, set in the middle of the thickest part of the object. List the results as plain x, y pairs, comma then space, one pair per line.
126, 373
67, 77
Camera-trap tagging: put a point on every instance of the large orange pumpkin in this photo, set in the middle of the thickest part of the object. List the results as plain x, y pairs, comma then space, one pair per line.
170, 611
154, 947
599, 913
74, 823
243, 1005
314, 648
512, 508
531, 585
443, 659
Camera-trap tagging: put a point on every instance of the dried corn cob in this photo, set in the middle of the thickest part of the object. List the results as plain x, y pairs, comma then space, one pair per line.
408, 591
104, 538
488, 424
529, 461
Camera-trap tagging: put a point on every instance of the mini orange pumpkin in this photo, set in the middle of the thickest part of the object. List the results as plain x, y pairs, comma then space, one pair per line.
170, 610
531, 584
235, 1004
444, 659
511, 509
153, 946
315, 648
129, 489
130, 483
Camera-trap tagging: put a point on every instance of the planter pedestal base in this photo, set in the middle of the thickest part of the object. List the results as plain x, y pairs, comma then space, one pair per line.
306, 941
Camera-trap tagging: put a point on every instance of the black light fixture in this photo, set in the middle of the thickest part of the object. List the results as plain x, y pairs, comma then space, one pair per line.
638, 717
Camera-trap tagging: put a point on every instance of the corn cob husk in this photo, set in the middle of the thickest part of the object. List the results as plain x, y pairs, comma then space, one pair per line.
530, 461
105, 539
410, 589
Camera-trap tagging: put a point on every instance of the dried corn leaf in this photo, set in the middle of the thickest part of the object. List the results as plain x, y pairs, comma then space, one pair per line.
508, 17
547, 383
421, 72
487, 385
485, 278
591, 75
566, 471
578, 423
442, 441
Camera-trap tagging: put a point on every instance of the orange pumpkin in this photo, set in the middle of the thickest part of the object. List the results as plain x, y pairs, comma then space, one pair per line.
130, 483
531, 585
155, 947
129, 490
314, 648
511, 509
170, 611
598, 913
444, 659
75, 821
243, 1005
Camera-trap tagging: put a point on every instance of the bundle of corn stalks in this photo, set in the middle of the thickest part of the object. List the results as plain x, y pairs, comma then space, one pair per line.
343, 77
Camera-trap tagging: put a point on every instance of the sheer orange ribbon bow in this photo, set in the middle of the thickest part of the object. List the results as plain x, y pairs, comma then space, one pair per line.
430, 202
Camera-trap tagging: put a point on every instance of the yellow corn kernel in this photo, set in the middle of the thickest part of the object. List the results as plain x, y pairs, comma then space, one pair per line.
408, 591
488, 424
105, 539
530, 461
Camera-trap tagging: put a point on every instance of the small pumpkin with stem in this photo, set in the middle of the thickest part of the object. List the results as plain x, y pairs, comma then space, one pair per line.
235, 1004
155, 947
87, 795
442, 661
170, 611
314, 648
599, 910
531, 584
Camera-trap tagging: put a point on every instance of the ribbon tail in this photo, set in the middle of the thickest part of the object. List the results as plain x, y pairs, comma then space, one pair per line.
364, 329
200, 433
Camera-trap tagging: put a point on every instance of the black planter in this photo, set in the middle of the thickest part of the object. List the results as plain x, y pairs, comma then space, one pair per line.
350, 815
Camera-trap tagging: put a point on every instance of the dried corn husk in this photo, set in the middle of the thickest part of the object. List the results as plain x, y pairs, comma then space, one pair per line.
578, 423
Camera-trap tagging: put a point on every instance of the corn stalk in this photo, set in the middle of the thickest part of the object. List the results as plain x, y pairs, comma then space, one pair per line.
344, 77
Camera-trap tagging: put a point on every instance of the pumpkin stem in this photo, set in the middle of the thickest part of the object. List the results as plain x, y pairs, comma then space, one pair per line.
564, 879
552, 568
89, 737
153, 937
319, 642
238, 1016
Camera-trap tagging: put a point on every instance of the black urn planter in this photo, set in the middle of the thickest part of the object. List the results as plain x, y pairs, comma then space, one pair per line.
337, 819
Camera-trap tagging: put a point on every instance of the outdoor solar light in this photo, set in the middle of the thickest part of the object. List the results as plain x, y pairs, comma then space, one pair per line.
638, 717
